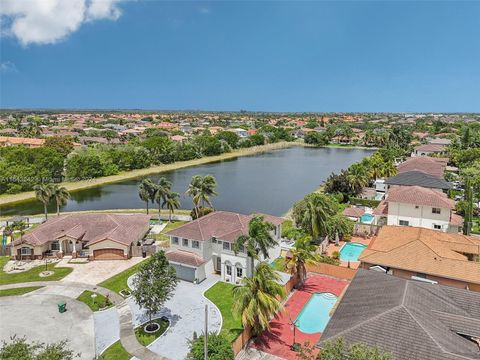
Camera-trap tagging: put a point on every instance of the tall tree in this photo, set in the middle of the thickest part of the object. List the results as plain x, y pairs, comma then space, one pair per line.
172, 202
312, 213
201, 189
163, 188
146, 191
258, 241
257, 300
303, 253
61, 196
193, 191
43, 193
154, 283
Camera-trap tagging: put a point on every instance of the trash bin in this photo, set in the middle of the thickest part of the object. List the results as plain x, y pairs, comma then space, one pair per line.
62, 307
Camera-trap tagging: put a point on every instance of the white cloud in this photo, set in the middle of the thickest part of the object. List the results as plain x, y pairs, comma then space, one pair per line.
7, 66
49, 21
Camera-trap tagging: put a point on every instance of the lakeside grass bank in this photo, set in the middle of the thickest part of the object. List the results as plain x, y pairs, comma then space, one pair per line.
7, 199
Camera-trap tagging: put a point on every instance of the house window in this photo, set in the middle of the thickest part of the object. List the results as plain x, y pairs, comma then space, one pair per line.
403, 223
226, 245
175, 240
436, 211
241, 248
195, 244
26, 251
228, 269
239, 272
185, 242
55, 246
437, 227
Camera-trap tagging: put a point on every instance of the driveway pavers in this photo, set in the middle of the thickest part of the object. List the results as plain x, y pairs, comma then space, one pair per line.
185, 311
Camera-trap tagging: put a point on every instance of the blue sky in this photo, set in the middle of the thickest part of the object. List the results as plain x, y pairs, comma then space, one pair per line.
253, 55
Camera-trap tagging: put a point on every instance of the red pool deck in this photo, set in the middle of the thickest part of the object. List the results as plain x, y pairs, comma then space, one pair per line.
278, 340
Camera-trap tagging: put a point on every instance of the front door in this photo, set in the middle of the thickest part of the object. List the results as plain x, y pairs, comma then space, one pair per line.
218, 267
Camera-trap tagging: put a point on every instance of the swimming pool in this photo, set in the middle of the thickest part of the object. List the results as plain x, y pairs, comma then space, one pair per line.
315, 314
366, 218
351, 251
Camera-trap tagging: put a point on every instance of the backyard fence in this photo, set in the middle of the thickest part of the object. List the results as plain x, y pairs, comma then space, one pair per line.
332, 270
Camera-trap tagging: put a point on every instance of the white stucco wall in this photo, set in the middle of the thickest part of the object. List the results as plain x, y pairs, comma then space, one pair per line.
420, 216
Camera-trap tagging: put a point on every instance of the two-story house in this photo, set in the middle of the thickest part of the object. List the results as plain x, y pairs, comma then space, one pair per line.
420, 207
205, 246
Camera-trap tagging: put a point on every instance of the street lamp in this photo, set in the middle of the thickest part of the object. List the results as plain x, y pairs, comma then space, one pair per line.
295, 346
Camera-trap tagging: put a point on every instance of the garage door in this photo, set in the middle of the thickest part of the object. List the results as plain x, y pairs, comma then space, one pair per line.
108, 254
184, 273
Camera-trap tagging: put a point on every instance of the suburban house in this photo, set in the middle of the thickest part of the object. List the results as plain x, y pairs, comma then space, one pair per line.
428, 165
418, 178
418, 206
409, 319
205, 246
409, 252
353, 213
28, 142
96, 236
429, 149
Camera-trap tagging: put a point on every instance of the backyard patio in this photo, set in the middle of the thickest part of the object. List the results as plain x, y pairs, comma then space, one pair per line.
279, 339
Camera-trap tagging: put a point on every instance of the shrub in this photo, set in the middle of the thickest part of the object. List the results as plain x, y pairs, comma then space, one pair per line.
219, 348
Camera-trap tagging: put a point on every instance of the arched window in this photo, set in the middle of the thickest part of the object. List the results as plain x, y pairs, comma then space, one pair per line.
228, 268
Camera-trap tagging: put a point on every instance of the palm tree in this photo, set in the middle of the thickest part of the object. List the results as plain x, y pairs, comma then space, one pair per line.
163, 188
357, 177
193, 191
389, 169
258, 241
61, 196
43, 193
172, 202
318, 209
146, 191
257, 300
303, 253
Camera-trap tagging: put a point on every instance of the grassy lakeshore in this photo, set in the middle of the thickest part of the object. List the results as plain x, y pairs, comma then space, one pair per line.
85, 184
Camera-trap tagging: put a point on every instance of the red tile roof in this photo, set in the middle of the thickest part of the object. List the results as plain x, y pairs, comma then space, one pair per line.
418, 195
223, 225
431, 148
428, 165
185, 257
353, 212
91, 228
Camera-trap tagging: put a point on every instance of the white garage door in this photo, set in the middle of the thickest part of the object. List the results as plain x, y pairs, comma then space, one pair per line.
184, 272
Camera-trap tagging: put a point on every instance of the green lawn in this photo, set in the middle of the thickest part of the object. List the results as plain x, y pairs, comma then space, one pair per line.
221, 295
476, 225
115, 352
32, 274
119, 282
100, 300
170, 226
278, 264
146, 338
18, 291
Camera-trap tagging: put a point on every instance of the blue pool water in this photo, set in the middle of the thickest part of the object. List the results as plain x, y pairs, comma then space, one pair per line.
351, 251
366, 218
315, 315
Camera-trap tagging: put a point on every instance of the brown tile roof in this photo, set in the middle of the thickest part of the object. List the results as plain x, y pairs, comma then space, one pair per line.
381, 209
425, 251
431, 148
353, 212
185, 257
91, 228
21, 141
456, 220
223, 225
429, 165
418, 195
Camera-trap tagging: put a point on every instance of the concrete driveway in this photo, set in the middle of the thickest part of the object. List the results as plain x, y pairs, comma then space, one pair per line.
95, 272
186, 312
36, 316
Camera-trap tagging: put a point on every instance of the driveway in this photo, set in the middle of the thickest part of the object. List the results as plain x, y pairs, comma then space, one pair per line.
36, 317
95, 272
186, 313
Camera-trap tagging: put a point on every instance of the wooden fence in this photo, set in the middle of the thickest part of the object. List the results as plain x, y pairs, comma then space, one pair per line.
365, 230
332, 270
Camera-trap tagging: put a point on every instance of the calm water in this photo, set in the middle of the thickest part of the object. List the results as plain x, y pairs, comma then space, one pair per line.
268, 183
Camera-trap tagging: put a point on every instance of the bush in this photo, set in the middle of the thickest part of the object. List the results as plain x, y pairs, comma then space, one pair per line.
219, 348
364, 202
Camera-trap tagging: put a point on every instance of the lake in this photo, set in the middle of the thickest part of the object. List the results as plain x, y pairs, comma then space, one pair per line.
269, 183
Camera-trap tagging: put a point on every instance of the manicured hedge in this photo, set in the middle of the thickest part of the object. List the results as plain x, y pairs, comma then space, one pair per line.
364, 202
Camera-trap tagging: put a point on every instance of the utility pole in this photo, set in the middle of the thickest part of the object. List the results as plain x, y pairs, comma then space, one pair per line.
205, 336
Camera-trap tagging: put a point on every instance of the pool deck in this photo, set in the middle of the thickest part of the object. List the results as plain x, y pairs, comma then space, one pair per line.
356, 239
279, 339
